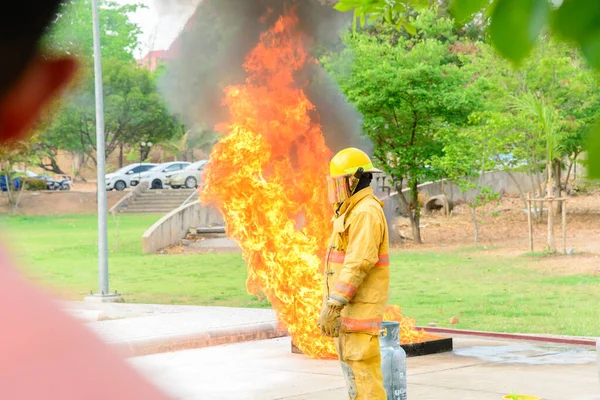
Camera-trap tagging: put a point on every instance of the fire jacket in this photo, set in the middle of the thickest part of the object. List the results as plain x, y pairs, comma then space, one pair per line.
357, 263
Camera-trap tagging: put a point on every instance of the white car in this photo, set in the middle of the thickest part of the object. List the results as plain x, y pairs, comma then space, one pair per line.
121, 179
155, 177
189, 177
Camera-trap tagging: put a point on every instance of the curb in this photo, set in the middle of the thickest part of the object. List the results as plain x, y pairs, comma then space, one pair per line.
571, 340
196, 340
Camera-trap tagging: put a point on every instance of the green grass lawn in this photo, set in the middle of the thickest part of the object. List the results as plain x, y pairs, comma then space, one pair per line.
485, 292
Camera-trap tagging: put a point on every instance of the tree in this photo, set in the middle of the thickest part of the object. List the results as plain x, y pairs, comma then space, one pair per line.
515, 27
133, 112
406, 89
194, 139
71, 32
11, 154
134, 109
467, 155
548, 124
555, 72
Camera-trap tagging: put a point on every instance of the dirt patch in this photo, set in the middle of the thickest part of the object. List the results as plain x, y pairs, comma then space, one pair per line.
579, 264
59, 203
504, 226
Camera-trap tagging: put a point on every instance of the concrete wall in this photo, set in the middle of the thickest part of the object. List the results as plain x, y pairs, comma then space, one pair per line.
174, 226
499, 181
210, 216
171, 228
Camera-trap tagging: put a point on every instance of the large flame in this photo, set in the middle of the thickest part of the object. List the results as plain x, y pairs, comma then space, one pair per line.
267, 178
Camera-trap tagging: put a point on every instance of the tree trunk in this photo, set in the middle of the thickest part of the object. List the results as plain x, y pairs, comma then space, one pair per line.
78, 163
536, 206
558, 183
120, 156
21, 190
8, 191
52, 166
414, 223
416, 220
473, 211
550, 210
571, 164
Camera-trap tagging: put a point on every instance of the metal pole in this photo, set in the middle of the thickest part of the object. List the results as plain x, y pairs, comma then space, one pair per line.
100, 157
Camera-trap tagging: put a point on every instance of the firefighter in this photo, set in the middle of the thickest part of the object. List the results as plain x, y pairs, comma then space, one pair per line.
356, 274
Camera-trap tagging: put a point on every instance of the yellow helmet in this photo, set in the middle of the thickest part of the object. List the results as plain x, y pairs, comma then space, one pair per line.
348, 161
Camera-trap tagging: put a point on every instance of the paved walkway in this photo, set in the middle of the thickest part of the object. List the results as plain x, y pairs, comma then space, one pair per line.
194, 363
141, 329
476, 370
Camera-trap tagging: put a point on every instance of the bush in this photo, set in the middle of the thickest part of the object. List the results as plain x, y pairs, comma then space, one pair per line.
585, 186
35, 184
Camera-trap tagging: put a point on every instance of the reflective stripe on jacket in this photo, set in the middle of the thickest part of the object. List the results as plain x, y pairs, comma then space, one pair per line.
357, 271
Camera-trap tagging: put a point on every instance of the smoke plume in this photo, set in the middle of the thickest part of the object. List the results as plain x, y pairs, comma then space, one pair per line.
210, 53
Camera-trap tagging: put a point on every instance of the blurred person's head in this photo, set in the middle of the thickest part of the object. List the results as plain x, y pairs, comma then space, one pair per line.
28, 78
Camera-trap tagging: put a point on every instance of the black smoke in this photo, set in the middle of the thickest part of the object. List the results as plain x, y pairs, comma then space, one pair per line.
210, 53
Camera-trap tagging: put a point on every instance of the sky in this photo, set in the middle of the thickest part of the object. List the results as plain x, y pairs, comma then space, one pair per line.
161, 22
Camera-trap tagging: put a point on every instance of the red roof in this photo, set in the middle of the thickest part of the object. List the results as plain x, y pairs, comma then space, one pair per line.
152, 59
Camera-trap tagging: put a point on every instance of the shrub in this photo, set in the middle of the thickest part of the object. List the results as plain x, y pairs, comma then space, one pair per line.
35, 184
585, 186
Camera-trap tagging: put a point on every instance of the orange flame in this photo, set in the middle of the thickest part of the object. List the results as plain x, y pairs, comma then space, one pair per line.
267, 178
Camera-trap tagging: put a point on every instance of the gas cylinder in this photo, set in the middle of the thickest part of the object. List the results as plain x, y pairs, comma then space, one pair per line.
393, 361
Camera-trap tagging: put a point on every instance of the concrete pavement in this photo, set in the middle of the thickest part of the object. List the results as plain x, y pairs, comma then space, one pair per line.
194, 363
141, 329
477, 370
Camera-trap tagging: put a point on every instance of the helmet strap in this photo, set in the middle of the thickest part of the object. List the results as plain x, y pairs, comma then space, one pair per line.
357, 175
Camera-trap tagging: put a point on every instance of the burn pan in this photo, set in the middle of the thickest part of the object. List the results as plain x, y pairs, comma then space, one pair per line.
433, 345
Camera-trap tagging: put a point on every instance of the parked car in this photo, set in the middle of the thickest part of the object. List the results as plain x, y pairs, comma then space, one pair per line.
121, 179
155, 177
62, 183
15, 181
189, 177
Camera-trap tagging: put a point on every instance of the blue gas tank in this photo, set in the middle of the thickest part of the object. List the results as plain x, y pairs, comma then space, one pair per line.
393, 361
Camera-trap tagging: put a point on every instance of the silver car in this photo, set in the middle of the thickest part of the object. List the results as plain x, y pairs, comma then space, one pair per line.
189, 177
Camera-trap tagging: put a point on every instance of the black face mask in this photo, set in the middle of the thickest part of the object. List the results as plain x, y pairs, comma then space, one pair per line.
364, 182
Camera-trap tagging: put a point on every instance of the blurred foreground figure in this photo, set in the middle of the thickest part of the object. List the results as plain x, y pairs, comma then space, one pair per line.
356, 274
45, 354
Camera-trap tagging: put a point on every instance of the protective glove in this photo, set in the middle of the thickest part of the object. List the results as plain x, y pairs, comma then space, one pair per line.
329, 321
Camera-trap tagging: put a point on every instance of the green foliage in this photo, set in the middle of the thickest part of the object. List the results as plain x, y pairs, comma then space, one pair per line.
183, 147
407, 89
35, 184
516, 27
468, 153
391, 11
464, 10
594, 151
133, 108
133, 111
72, 33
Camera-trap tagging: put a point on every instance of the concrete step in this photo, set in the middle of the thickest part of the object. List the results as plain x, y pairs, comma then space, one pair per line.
154, 205
168, 192
149, 208
159, 212
162, 197
165, 202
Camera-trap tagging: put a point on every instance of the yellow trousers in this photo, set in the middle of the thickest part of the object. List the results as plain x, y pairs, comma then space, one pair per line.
360, 357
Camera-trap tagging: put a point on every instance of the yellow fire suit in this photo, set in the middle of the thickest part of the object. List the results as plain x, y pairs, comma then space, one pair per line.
357, 275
